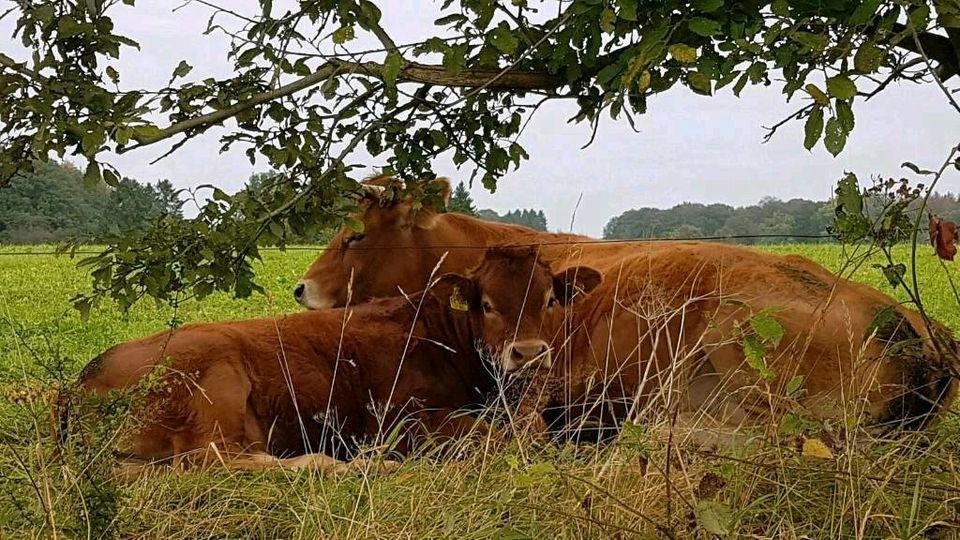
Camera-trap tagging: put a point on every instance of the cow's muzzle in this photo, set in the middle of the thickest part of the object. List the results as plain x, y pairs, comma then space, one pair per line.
527, 354
306, 295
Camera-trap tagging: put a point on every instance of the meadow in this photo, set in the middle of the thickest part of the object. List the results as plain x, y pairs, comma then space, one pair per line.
641, 486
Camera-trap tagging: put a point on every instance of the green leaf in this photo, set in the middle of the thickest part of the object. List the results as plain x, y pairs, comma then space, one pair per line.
840, 86
917, 170
767, 327
780, 8
83, 305
608, 73
715, 517
92, 175
503, 39
703, 26
817, 94
369, 12
276, 228
683, 53
920, 17
110, 178
894, 273
849, 197
183, 68
450, 19
607, 21
834, 137
699, 83
864, 12
794, 385
845, 115
706, 6
391, 68
628, 10
816, 42
343, 34
112, 73
329, 87
869, 57
813, 129
755, 353
44, 13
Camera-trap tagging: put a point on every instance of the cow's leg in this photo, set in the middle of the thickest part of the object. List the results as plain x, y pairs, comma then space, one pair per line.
218, 424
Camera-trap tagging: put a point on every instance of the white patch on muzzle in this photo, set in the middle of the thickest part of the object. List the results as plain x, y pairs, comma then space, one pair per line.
305, 294
526, 355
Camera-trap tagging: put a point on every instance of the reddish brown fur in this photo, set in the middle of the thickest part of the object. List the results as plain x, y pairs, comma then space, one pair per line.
616, 343
232, 384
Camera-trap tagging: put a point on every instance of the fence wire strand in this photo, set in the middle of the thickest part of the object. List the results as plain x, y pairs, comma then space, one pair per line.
485, 246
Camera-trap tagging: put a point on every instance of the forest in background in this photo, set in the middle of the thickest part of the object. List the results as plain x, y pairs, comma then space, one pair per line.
56, 206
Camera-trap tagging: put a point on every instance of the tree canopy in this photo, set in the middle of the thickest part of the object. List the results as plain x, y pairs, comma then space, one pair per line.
307, 93
51, 205
461, 201
796, 220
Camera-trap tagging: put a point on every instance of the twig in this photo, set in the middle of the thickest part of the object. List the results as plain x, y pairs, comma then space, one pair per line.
795, 115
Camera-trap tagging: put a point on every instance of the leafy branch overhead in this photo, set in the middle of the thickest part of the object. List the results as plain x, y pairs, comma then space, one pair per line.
308, 92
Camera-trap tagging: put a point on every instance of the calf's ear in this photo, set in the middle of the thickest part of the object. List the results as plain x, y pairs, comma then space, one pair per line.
575, 282
454, 291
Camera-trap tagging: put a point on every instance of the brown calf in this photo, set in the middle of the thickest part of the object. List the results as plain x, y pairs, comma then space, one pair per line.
671, 318
321, 382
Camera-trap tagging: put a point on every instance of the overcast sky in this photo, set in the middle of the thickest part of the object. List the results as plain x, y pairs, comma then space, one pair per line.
690, 147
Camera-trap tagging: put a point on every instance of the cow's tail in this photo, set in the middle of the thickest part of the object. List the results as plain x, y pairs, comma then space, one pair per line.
928, 370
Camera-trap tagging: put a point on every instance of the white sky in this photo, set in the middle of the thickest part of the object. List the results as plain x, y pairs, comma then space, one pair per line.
690, 147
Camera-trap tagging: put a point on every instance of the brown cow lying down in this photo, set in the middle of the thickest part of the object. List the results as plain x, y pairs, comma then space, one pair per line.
667, 327
242, 392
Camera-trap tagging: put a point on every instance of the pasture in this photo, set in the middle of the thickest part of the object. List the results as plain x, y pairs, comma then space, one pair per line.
641, 486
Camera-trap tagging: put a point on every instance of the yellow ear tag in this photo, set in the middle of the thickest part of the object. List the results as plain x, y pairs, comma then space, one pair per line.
457, 302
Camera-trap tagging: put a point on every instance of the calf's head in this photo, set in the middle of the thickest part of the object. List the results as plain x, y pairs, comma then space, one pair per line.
515, 304
394, 249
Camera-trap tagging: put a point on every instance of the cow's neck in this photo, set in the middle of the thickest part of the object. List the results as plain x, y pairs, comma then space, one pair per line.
450, 335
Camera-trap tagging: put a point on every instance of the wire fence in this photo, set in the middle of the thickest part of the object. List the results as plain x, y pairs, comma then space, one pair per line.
569, 242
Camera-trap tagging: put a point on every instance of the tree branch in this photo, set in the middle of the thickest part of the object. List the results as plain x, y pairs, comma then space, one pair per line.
492, 79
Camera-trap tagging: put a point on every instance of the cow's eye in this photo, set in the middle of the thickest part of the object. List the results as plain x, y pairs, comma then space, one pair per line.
552, 302
354, 238
487, 307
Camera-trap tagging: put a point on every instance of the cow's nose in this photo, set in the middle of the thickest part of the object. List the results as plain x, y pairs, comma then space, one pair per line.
522, 354
298, 291
525, 353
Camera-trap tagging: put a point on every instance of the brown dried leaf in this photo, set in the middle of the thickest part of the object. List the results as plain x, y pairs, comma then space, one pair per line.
943, 237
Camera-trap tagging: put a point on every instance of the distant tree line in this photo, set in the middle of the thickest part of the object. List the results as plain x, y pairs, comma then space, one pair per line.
462, 203
54, 206
770, 216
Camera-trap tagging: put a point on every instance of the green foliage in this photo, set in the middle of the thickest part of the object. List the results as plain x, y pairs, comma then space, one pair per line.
63, 95
885, 213
51, 204
461, 202
762, 334
694, 220
534, 219
772, 216
262, 186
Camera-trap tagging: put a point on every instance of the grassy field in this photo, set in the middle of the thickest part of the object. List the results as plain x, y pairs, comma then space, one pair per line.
637, 487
